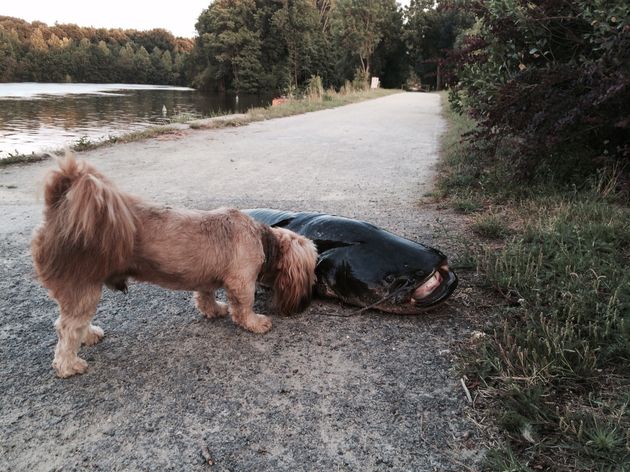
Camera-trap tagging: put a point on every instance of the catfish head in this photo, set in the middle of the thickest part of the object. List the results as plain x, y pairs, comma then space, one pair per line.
377, 269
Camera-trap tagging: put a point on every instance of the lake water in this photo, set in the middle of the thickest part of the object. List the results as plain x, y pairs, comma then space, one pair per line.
38, 117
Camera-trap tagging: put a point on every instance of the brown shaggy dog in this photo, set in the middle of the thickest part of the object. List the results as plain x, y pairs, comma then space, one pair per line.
94, 234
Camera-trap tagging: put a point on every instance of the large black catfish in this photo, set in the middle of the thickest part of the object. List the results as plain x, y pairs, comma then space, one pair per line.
367, 266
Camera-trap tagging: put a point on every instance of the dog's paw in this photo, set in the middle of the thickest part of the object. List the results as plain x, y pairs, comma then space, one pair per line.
68, 368
219, 310
93, 335
258, 324
210, 308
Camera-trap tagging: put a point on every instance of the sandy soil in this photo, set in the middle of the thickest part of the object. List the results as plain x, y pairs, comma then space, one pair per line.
169, 390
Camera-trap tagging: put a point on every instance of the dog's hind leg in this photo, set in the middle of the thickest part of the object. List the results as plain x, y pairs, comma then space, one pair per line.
73, 328
240, 294
208, 305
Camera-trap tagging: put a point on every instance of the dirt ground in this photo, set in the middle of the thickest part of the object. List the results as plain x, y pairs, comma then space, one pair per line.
170, 390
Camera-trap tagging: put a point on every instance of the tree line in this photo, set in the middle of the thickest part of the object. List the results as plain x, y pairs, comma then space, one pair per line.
268, 46
252, 45
36, 52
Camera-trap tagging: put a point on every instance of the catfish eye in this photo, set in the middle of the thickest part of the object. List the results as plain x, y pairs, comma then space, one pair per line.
389, 278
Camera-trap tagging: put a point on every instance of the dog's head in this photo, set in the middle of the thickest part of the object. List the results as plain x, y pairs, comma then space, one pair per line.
293, 269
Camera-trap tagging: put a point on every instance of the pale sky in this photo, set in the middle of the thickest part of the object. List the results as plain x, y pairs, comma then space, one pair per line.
177, 16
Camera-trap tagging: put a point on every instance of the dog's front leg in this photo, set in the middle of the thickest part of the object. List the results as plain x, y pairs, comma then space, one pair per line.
240, 292
73, 328
208, 305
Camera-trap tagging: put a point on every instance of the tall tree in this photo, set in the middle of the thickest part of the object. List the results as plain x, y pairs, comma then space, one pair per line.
38, 43
390, 62
9, 44
142, 65
359, 27
230, 45
430, 33
325, 9
297, 22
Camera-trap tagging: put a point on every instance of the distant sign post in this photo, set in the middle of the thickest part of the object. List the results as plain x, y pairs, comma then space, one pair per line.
376, 83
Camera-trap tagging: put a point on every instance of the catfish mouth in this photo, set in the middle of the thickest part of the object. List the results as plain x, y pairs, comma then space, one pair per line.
435, 289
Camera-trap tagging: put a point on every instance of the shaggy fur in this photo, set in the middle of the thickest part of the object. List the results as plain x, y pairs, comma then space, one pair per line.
95, 234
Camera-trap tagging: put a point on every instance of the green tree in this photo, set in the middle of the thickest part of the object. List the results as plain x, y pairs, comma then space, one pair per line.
124, 62
390, 61
324, 10
167, 62
359, 28
297, 23
230, 46
8, 54
104, 63
142, 65
430, 31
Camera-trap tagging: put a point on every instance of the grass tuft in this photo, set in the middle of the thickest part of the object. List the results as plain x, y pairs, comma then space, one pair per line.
491, 225
17, 158
467, 205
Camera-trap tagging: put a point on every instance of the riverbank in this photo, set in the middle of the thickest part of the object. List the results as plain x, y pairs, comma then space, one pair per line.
328, 99
549, 373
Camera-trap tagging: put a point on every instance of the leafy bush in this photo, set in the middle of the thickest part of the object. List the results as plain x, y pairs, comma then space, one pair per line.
554, 75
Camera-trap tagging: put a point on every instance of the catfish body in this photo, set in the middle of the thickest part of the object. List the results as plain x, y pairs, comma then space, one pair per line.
366, 266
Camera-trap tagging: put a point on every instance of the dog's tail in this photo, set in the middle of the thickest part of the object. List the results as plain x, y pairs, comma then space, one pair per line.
88, 211
295, 276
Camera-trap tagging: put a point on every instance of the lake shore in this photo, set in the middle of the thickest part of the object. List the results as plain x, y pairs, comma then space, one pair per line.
36, 118
186, 121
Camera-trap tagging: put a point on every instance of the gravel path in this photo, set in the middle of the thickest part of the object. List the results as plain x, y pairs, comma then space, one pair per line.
167, 389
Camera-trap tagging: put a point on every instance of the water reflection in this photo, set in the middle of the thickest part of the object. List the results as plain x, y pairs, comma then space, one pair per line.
46, 122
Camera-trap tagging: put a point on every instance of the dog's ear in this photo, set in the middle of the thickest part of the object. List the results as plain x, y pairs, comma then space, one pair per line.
296, 261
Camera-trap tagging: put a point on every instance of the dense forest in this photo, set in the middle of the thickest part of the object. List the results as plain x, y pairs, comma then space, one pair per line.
251, 45
247, 46
35, 52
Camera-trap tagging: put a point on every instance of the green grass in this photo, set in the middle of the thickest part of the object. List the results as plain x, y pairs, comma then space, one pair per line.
17, 158
554, 368
491, 225
467, 205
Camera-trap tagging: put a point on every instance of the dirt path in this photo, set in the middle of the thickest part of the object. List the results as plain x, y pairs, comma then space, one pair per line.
373, 392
